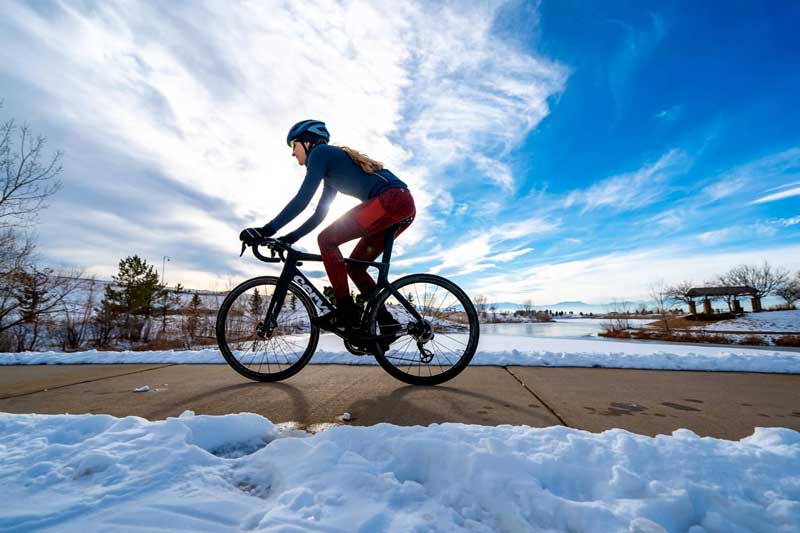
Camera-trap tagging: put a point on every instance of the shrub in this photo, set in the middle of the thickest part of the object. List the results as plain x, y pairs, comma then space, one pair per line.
788, 340
615, 334
753, 340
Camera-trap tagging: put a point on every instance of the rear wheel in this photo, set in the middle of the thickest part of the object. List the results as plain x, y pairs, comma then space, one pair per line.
433, 350
259, 352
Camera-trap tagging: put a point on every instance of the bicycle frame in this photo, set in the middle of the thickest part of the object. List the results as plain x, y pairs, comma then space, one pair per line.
291, 274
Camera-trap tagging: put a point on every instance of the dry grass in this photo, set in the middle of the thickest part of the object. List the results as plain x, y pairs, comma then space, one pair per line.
160, 344
788, 341
753, 340
615, 334
691, 321
668, 336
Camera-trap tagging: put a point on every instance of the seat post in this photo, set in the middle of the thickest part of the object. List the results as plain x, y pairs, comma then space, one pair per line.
388, 241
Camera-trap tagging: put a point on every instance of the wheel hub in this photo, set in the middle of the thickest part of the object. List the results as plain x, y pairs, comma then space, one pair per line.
264, 331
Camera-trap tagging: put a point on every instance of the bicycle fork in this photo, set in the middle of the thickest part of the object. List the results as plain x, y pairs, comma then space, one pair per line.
265, 328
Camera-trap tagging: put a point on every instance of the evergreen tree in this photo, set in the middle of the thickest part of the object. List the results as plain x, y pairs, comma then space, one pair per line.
32, 294
256, 301
132, 304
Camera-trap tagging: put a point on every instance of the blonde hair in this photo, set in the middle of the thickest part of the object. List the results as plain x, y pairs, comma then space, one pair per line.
367, 164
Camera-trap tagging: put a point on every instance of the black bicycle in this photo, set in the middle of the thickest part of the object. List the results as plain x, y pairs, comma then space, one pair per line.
267, 330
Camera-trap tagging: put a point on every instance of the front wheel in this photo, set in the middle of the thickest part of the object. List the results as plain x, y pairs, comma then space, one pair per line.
266, 353
438, 347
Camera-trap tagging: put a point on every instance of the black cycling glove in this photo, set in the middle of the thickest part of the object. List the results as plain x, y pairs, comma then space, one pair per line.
251, 236
289, 238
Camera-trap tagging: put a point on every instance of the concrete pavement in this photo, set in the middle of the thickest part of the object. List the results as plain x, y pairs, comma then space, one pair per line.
717, 404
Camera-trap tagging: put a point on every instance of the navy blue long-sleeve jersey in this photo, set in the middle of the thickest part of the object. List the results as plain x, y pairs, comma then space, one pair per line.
341, 174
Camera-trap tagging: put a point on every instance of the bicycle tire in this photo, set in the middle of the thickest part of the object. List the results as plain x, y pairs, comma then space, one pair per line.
292, 367
388, 360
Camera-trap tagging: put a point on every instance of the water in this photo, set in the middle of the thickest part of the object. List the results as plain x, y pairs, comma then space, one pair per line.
563, 329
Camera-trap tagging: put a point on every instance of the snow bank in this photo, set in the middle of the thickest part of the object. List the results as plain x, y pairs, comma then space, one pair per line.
234, 472
767, 321
492, 350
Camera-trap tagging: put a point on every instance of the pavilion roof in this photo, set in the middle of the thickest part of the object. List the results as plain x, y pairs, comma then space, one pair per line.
721, 291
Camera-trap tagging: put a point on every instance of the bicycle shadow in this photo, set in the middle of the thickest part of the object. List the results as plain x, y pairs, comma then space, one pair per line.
415, 405
228, 399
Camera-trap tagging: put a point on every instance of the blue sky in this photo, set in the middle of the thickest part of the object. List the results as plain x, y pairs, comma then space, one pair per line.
556, 150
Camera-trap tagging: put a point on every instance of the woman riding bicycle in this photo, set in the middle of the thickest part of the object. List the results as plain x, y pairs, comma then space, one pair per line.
386, 201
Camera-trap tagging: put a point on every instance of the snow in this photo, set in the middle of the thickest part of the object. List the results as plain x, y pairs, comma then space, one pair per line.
769, 321
241, 472
493, 350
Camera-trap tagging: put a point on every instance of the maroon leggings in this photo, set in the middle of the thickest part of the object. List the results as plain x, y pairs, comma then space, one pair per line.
369, 221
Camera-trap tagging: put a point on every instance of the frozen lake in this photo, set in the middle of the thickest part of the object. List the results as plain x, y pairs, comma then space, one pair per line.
564, 328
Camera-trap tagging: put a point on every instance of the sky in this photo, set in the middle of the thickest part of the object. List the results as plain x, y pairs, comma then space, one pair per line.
556, 150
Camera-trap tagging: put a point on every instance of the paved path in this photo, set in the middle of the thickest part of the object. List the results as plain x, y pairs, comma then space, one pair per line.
717, 404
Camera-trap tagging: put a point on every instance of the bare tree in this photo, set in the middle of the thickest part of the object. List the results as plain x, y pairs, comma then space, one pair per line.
27, 178
191, 326
659, 293
790, 289
764, 278
480, 305
680, 292
527, 306
618, 320
27, 175
77, 317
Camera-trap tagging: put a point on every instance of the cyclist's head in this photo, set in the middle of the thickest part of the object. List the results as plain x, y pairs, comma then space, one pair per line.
304, 136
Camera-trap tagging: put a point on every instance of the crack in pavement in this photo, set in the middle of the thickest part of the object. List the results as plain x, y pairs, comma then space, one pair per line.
538, 398
84, 381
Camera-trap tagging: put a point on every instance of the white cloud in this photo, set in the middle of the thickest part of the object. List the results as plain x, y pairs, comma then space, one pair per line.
712, 238
778, 196
632, 190
203, 95
508, 256
484, 248
786, 222
621, 276
724, 188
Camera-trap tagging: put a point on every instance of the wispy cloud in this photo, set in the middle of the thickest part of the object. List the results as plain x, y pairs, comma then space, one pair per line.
724, 188
632, 190
201, 98
490, 246
778, 196
670, 114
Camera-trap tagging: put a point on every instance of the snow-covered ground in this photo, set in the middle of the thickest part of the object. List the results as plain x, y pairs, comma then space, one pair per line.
769, 321
241, 472
493, 350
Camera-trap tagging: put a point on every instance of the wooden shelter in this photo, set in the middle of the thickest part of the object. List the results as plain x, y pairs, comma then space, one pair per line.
715, 292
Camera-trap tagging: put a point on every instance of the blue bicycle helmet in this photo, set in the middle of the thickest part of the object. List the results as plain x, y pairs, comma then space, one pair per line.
315, 127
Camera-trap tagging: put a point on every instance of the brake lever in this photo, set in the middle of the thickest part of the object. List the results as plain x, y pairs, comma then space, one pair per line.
244, 247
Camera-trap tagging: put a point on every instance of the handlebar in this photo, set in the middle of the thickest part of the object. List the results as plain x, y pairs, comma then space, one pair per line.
276, 247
